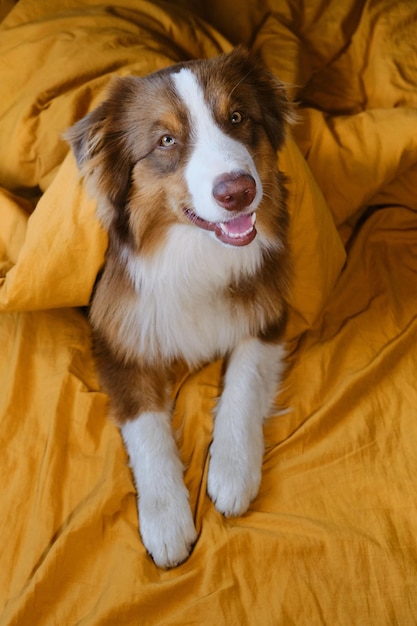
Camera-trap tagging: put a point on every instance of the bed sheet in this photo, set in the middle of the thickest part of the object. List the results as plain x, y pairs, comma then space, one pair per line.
331, 537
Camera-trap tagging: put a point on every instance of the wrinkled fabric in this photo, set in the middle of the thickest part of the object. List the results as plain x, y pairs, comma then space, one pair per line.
331, 537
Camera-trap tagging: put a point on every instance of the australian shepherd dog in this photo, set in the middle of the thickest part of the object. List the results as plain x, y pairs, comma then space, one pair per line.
184, 166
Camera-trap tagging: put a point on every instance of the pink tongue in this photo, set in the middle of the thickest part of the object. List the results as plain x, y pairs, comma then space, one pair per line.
238, 225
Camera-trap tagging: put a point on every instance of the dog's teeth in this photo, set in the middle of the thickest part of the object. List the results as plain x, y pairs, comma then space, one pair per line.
235, 235
225, 227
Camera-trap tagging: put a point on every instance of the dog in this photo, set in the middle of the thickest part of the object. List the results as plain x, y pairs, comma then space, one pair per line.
183, 164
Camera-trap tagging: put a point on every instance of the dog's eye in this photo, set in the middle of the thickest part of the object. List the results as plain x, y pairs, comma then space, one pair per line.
236, 117
167, 141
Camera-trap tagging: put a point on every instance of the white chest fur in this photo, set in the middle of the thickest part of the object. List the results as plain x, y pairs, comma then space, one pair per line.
181, 308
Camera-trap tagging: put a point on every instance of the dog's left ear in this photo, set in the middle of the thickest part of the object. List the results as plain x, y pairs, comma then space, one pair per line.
277, 109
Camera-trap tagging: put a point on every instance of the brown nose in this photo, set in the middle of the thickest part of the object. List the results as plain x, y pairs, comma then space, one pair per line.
234, 192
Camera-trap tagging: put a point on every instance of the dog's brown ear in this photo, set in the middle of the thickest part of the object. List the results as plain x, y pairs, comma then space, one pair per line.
85, 137
277, 109
101, 146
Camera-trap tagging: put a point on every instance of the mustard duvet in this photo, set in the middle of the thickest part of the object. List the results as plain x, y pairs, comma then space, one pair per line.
332, 536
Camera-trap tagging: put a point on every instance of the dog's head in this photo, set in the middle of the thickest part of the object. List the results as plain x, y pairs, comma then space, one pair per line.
194, 144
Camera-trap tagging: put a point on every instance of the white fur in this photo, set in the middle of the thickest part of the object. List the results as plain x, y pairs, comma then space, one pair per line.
166, 523
178, 311
214, 154
251, 383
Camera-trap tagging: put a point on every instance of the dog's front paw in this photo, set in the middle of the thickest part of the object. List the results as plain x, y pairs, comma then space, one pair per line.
233, 482
167, 529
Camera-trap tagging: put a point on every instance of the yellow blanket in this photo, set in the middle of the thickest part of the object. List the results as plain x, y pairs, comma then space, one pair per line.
332, 537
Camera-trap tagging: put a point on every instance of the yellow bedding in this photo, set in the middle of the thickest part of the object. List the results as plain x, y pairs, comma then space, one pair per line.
332, 537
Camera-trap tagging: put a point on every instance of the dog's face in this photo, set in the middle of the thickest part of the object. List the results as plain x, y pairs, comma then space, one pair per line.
193, 144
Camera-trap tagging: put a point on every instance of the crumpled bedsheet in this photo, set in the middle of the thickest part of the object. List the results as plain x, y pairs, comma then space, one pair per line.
332, 536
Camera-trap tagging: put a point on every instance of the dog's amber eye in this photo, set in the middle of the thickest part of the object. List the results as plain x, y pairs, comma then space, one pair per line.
236, 117
167, 141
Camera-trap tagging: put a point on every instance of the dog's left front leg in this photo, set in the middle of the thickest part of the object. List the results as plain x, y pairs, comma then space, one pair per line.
251, 383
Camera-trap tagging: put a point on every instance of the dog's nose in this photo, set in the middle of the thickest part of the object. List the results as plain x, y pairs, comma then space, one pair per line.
234, 192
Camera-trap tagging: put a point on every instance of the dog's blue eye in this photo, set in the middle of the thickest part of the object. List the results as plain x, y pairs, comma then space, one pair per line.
236, 117
167, 141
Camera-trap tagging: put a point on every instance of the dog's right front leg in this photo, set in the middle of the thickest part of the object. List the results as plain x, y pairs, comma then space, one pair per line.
140, 404
166, 522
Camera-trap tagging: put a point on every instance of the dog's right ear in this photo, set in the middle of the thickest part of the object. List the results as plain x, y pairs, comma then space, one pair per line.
101, 146
86, 137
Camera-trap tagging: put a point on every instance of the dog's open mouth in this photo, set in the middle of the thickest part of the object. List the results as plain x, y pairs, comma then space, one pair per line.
239, 231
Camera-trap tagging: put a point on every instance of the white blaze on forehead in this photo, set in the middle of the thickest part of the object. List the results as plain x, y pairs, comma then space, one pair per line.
213, 152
